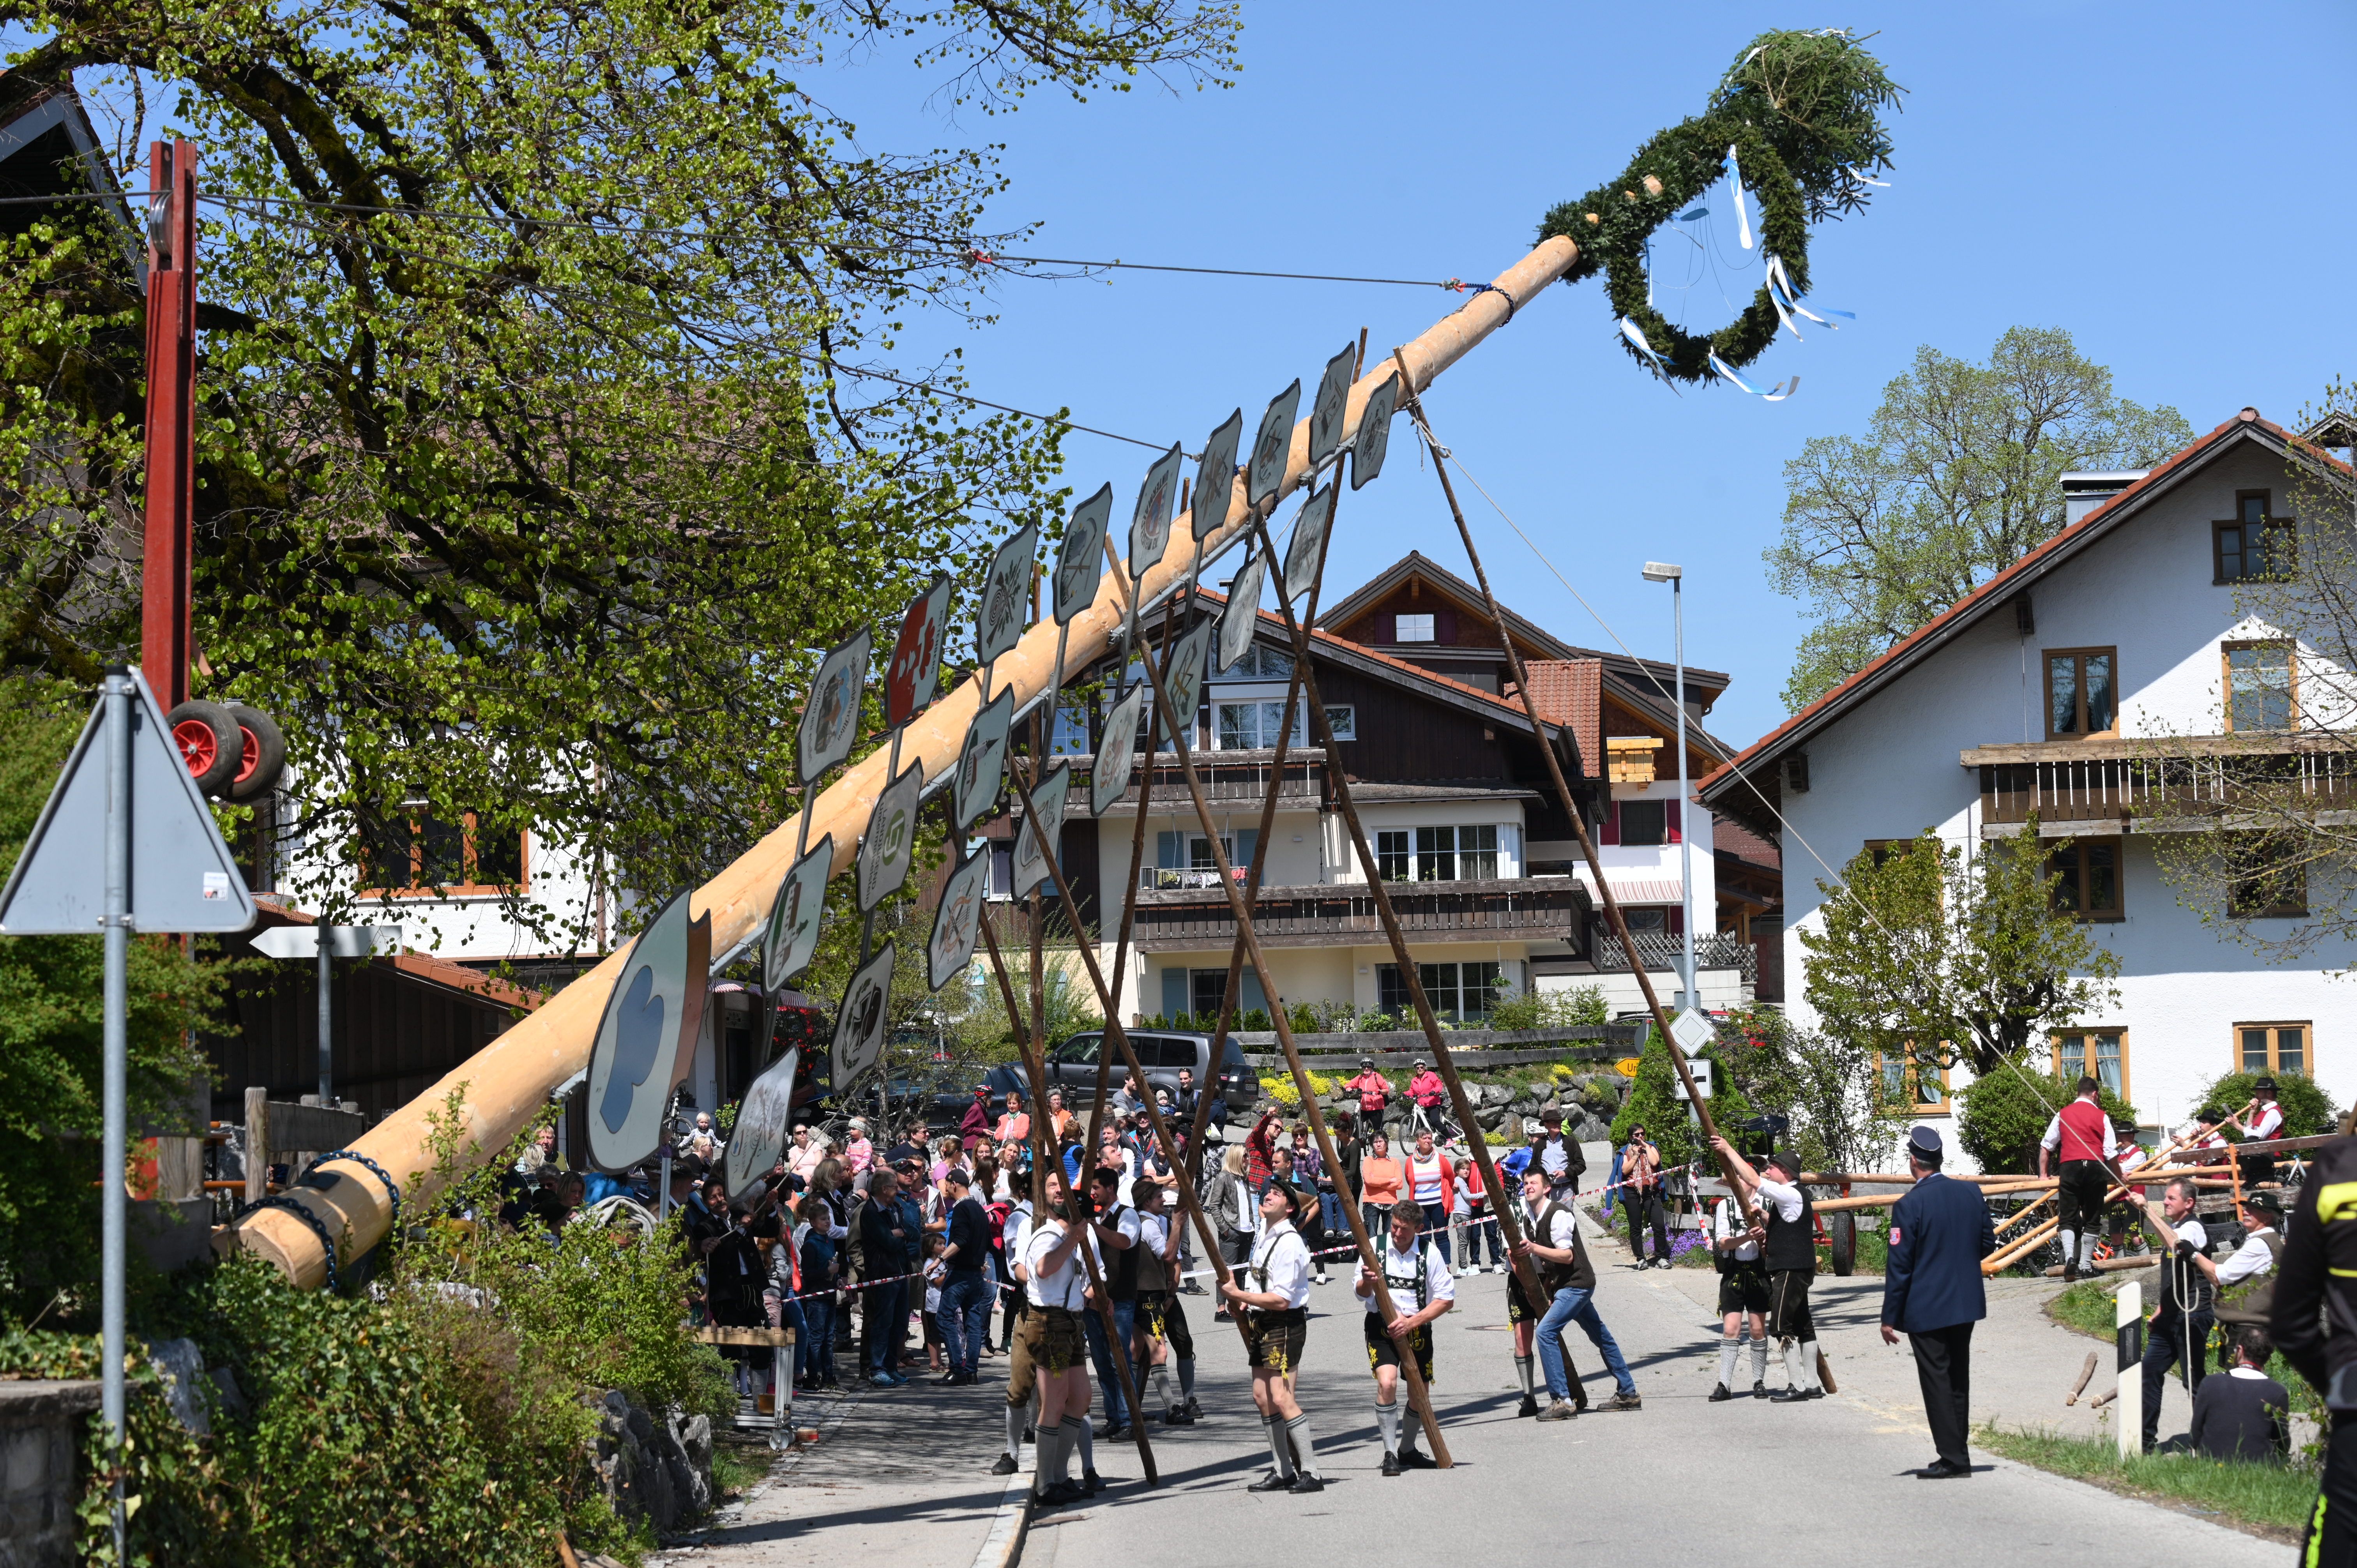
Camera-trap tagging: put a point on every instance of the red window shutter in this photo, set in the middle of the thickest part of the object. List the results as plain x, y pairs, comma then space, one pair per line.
1608, 831
1678, 919
1386, 628
1674, 818
1444, 625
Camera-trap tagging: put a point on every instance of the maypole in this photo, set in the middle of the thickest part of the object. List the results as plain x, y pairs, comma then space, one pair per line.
1792, 126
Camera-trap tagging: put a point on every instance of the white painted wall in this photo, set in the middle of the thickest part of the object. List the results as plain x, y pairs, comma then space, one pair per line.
1889, 768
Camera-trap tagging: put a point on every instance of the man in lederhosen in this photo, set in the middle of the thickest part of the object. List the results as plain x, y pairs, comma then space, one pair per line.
2081, 1138
1058, 1287
1162, 1332
1277, 1327
1422, 1288
1742, 1292
1788, 1246
2266, 1123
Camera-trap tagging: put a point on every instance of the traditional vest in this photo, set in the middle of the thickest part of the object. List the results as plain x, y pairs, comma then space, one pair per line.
1791, 1244
2083, 1124
1153, 1269
1578, 1274
2185, 1288
1121, 1268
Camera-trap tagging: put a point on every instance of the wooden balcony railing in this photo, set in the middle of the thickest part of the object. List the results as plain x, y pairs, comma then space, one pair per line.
1509, 909
1228, 777
1715, 950
2155, 791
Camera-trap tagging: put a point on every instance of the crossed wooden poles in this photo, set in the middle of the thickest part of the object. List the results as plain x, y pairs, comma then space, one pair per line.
1247, 948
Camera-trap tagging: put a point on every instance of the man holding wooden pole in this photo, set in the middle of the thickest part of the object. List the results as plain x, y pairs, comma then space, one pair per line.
1789, 1247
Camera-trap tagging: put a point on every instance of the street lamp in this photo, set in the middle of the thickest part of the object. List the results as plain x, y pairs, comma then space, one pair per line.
1662, 572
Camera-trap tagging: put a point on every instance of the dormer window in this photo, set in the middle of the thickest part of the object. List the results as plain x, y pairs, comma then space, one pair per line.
1412, 629
2082, 693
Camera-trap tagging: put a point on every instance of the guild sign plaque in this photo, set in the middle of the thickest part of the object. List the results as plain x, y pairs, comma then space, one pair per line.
1078, 560
1272, 446
1215, 479
831, 723
1117, 750
1005, 594
1333, 399
915, 671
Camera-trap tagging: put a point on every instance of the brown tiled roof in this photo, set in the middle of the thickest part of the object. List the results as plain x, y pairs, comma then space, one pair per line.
1570, 692
1734, 838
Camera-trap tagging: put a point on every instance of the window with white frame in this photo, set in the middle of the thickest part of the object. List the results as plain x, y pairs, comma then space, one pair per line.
1412, 629
1343, 719
1258, 662
1458, 992
1437, 855
1246, 726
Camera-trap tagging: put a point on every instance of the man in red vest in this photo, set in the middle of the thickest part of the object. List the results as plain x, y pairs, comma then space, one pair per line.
2082, 1135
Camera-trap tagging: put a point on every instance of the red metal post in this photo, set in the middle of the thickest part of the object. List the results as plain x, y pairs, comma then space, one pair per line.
165, 639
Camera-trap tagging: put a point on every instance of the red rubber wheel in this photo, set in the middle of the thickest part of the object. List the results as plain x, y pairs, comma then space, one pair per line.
210, 741
263, 756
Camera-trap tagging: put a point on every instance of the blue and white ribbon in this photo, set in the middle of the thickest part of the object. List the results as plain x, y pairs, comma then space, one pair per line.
1862, 177
1631, 330
1776, 393
1735, 185
1787, 300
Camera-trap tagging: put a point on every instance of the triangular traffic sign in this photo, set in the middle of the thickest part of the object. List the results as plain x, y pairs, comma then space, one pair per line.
182, 875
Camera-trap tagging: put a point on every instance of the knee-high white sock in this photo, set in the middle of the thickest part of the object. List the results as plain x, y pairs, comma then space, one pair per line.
1187, 1378
1276, 1446
1792, 1363
1076, 1435
1809, 1363
2070, 1246
1760, 1360
1087, 1441
1727, 1349
2087, 1252
1305, 1444
1522, 1371
1387, 1422
1162, 1385
1015, 1415
1411, 1427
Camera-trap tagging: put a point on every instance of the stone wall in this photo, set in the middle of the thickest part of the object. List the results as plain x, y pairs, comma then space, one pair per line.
39, 1423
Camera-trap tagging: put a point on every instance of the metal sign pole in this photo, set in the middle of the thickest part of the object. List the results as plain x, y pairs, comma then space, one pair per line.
326, 1038
117, 997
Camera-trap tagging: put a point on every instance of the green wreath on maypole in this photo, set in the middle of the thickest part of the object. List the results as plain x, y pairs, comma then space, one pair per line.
1800, 111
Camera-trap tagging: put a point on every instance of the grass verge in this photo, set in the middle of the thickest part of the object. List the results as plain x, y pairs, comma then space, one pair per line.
2086, 1308
734, 1474
2264, 1499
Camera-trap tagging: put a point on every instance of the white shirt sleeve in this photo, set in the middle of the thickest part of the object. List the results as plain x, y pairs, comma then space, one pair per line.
2054, 1139
2194, 1231
2111, 1139
1787, 1199
2251, 1258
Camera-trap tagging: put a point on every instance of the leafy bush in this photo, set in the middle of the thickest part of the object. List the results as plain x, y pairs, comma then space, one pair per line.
1652, 1103
1580, 1008
2307, 1110
2002, 1116
1377, 1023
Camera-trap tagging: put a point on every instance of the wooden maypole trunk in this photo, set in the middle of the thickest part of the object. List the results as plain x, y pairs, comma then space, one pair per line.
500, 1088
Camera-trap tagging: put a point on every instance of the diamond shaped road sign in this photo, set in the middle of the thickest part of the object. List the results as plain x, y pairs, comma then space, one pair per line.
183, 877
1692, 1030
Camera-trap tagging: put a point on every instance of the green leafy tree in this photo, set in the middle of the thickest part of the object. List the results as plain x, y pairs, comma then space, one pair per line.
2002, 1115
1930, 957
1652, 1103
1832, 1093
51, 1034
532, 464
1957, 479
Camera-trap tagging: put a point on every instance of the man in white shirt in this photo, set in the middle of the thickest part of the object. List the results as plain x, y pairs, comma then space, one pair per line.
1022, 1380
1551, 1241
1113, 1240
2081, 1136
1274, 1295
2266, 1123
1742, 1290
1788, 1247
1422, 1288
2262, 1217
1057, 1288
1163, 1334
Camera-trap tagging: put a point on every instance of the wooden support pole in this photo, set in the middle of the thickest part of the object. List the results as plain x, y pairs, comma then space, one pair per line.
1418, 1396
257, 1143
501, 1086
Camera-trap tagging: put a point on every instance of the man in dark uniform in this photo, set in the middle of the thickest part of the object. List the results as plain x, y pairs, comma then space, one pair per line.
1932, 1291
2317, 1277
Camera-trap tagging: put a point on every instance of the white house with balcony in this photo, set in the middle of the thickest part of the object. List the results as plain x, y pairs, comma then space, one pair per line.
2083, 685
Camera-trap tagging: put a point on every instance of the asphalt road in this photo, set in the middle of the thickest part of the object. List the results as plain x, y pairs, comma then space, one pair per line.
1828, 1482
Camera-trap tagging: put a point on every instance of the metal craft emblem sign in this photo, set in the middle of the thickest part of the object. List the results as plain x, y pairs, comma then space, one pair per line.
758, 1138
915, 671
1078, 568
646, 1041
1047, 800
1236, 622
792, 935
957, 924
1157, 502
1271, 445
1182, 677
1116, 751
831, 722
1215, 479
982, 763
1326, 410
859, 1027
1303, 550
1374, 432
1005, 594
885, 849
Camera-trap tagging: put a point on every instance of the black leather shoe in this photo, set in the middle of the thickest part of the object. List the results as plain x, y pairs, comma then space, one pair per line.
1530, 1406
1759, 1388
1006, 1465
1941, 1470
1718, 1394
1272, 1482
1306, 1485
1392, 1465
1787, 1396
1176, 1416
1091, 1483
1059, 1494
1417, 1459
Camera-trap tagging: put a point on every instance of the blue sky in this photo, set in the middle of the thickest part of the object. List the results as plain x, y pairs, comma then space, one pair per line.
2162, 180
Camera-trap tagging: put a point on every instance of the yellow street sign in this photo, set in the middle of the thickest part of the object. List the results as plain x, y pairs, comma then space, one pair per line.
1626, 1067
